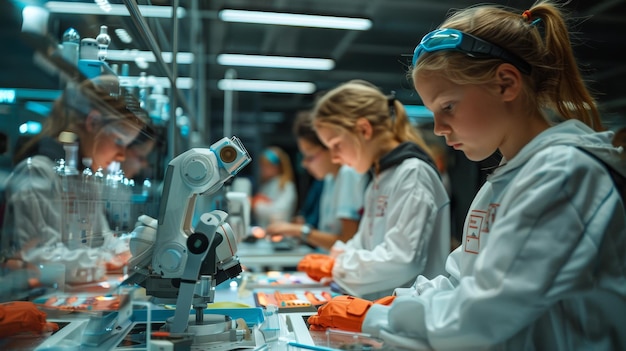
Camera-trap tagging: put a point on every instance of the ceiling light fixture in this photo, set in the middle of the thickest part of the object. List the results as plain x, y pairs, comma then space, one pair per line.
275, 62
103, 4
181, 82
123, 35
266, 86
291, 19
183, 58
116, 9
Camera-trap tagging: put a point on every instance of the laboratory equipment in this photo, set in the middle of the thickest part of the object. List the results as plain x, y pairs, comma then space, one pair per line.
181, 263
88, 49
238, 204
142, 88
103, 39
158, 105
70, 45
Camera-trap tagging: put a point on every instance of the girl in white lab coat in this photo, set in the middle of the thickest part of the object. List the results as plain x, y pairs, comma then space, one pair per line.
405, 228
542, 264
39, 208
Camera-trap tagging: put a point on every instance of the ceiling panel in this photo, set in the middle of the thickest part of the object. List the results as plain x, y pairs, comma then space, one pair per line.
379, 55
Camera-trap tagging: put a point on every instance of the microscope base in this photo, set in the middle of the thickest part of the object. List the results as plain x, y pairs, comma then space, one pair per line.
214, 328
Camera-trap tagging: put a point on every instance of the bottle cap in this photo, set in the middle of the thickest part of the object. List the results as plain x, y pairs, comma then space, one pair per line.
71, 35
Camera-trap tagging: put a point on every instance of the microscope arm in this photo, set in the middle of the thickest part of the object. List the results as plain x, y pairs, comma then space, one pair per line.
198, 245
171, 249
195, 172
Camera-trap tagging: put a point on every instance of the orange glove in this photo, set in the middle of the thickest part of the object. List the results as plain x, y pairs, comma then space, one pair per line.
259, 198
22, 316
118, 261
345, 313
317, 266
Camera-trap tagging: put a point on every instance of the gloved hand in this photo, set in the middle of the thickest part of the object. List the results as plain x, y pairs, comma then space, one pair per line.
22, 316
317, 266
345, 313
118, 261
259, 198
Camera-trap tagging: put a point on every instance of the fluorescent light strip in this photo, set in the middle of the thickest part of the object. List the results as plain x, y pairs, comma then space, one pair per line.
266, 86
123, 35
289, 19
181, 82
104, 5
116, 9
183, 58
275, 62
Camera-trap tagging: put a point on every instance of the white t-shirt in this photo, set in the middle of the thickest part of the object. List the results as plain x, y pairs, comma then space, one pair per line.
283, 202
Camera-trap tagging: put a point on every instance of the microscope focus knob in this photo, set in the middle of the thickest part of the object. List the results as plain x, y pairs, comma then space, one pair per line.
196, 169
170, 259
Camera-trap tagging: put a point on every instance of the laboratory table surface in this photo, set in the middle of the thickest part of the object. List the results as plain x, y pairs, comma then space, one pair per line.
264, 255
238, 298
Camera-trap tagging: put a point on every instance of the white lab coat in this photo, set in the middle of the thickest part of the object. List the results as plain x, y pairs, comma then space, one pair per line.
542, 265
404, 232
283, 202
33, 222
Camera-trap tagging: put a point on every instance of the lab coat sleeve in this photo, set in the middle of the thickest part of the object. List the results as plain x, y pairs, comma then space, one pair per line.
33, 222
441, 282
33, 211
410, 219
533, 258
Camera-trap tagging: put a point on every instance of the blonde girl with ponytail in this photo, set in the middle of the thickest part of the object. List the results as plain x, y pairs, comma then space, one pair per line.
405, 228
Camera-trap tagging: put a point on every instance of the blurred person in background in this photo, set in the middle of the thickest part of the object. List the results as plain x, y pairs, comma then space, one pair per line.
39, 205
341, 199
276, 198
309, 212
137, 192
135, 165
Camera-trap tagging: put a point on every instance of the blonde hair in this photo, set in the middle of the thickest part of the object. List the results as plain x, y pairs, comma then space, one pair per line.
341, 107
284, 164
540, 38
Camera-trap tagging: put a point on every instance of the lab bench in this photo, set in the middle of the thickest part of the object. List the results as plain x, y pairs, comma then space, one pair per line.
274, 327
263, 255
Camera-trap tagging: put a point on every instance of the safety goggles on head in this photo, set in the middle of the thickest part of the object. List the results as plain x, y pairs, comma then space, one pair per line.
452, 39
121, 134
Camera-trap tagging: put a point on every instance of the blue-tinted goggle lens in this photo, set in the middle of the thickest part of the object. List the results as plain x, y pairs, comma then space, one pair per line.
441, 39
452, 39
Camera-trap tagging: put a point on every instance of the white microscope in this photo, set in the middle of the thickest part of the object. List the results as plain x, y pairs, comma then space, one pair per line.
180, 263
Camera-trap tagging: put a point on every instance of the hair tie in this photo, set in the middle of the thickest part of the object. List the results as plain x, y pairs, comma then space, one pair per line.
391, 99
527, 16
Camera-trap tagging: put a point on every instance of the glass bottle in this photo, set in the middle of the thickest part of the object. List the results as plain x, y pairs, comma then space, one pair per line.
142, 89
71, 45
69, 174
103, 39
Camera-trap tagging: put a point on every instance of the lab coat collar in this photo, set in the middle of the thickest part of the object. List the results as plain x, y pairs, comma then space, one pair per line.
402, 152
